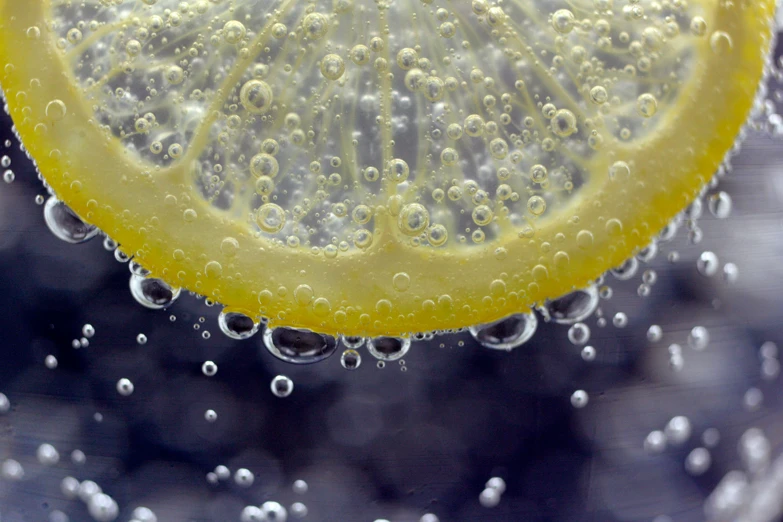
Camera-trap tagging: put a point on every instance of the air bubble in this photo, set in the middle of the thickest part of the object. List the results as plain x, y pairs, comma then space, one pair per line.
153, 293
350, 359
707, 264
282, 386
572, 308
65, 224
506, 334
299, 346
388, 348
237, 325
579, 334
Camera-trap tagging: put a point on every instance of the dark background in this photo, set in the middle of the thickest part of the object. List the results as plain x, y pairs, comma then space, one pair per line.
385, 443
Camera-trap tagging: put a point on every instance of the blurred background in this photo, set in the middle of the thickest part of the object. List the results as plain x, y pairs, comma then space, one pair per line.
667, 434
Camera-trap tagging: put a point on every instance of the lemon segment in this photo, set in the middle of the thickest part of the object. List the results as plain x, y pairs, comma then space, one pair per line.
372, 168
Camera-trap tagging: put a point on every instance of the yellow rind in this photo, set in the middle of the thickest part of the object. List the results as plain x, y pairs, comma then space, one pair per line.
451, 287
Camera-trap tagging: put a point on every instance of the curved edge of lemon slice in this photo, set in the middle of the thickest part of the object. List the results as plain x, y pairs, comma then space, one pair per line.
390, 288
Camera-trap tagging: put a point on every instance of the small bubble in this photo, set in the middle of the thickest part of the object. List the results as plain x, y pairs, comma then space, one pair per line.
141, 339
620, 320
753, 399
654, 333
730, 273
350, 359
209, 368
678, 430
579, 399
506, 334
88, 330
588, 353
388, 348
720, 205
579, 334
489, 497
210, 416
698, 461
47, 455
698, 338
707, 264
300, 487
282, 386
243, 477
124, 387
78, 457
51, 362
655, 442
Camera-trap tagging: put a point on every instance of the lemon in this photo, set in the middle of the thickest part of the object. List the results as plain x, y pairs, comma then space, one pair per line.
380, 167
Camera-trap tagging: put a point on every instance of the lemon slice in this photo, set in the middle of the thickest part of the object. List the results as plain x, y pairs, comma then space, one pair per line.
380, 167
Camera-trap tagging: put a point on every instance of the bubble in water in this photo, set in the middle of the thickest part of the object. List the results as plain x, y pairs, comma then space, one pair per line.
78, 457
654, 333
251, 514
69, 486
707, 264
210, 415
299, 346
579, 334
153, 293
354, 342
11, 470
282, 386
88, 330
579, 399
572, 308
753, 399
222, 472
627, 270
730, 273
124, 387
698, 338
9, 176
588, 353
103, 508
508, 333
298, 510
698, 461
50, 362
141, 339
273, 512
5, 404
720, 205
144, 514
350, 359
655, 442
496, 483
300, 487
236, 325
620, 320
244, 477
47, 455
489, 497
136, 268
678, 430
209, 368
87, 489
755, 450
388, 348
65, 224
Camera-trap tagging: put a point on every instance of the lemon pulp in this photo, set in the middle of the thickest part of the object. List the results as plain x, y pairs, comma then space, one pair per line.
380, 168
